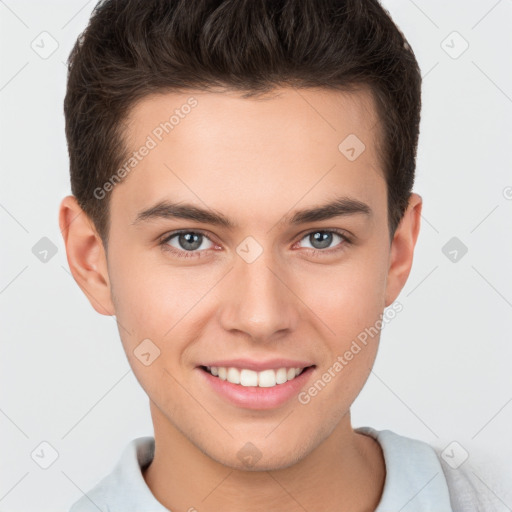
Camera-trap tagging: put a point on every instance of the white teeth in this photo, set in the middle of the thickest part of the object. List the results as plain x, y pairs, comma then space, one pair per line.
233, 376
247, 377
263, 379
267, 379
281, 376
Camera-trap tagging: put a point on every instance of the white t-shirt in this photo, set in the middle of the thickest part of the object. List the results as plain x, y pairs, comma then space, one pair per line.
417, 480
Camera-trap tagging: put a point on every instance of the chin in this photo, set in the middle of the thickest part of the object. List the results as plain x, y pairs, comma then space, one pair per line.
263, 456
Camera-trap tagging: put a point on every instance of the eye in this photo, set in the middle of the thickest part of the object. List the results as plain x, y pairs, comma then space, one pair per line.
186, 243
320, 240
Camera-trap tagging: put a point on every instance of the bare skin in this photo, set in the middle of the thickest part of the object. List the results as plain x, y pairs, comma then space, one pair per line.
257, 161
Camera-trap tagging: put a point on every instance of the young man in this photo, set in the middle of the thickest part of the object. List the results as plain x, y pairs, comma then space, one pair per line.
242, 178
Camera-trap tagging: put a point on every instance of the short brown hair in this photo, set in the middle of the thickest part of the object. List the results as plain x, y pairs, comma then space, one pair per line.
132, 48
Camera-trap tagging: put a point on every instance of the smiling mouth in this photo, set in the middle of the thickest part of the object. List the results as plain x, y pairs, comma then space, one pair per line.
250, 378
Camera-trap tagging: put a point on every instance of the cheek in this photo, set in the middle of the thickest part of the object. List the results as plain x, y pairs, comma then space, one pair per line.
361, 299
161, 303
351, 307
151, 305
347, 298
149, 294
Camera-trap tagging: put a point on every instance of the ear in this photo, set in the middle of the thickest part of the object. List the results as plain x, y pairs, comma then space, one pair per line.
402, 248
86, 255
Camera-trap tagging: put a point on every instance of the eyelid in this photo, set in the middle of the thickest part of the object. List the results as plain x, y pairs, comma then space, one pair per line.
168, 236
339, 231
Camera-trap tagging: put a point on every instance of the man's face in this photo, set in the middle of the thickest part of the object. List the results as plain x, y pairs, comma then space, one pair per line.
264, 289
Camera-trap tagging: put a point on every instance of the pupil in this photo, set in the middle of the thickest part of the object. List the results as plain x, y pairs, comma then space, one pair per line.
190, 241
322, 238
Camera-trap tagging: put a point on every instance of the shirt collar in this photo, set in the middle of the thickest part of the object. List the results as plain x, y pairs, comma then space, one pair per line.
415, 480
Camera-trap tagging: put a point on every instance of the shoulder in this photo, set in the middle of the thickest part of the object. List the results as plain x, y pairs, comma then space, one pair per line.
471, 487
124, 488
445, 475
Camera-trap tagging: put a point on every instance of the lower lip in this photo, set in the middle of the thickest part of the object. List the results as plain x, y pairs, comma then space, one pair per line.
254, 397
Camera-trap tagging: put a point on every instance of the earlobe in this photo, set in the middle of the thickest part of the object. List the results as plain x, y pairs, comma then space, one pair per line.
86, 255
402, 248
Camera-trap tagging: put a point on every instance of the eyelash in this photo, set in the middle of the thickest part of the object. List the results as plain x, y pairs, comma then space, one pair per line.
197, 254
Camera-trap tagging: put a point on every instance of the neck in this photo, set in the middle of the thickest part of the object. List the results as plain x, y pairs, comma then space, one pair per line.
345, 472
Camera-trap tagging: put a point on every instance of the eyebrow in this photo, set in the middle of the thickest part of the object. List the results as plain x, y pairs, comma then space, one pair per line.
342, 206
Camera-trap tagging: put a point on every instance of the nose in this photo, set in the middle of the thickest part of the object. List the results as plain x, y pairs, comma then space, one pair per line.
258, 300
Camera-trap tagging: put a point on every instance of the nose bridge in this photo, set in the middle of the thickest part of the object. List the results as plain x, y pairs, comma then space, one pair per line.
258, 302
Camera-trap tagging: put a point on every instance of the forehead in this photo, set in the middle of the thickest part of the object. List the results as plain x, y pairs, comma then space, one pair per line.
264, 150
316, 116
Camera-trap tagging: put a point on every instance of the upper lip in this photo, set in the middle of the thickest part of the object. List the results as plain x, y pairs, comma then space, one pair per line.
258, 366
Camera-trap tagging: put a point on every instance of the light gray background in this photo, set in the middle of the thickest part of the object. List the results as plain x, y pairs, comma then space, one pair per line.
443, 368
